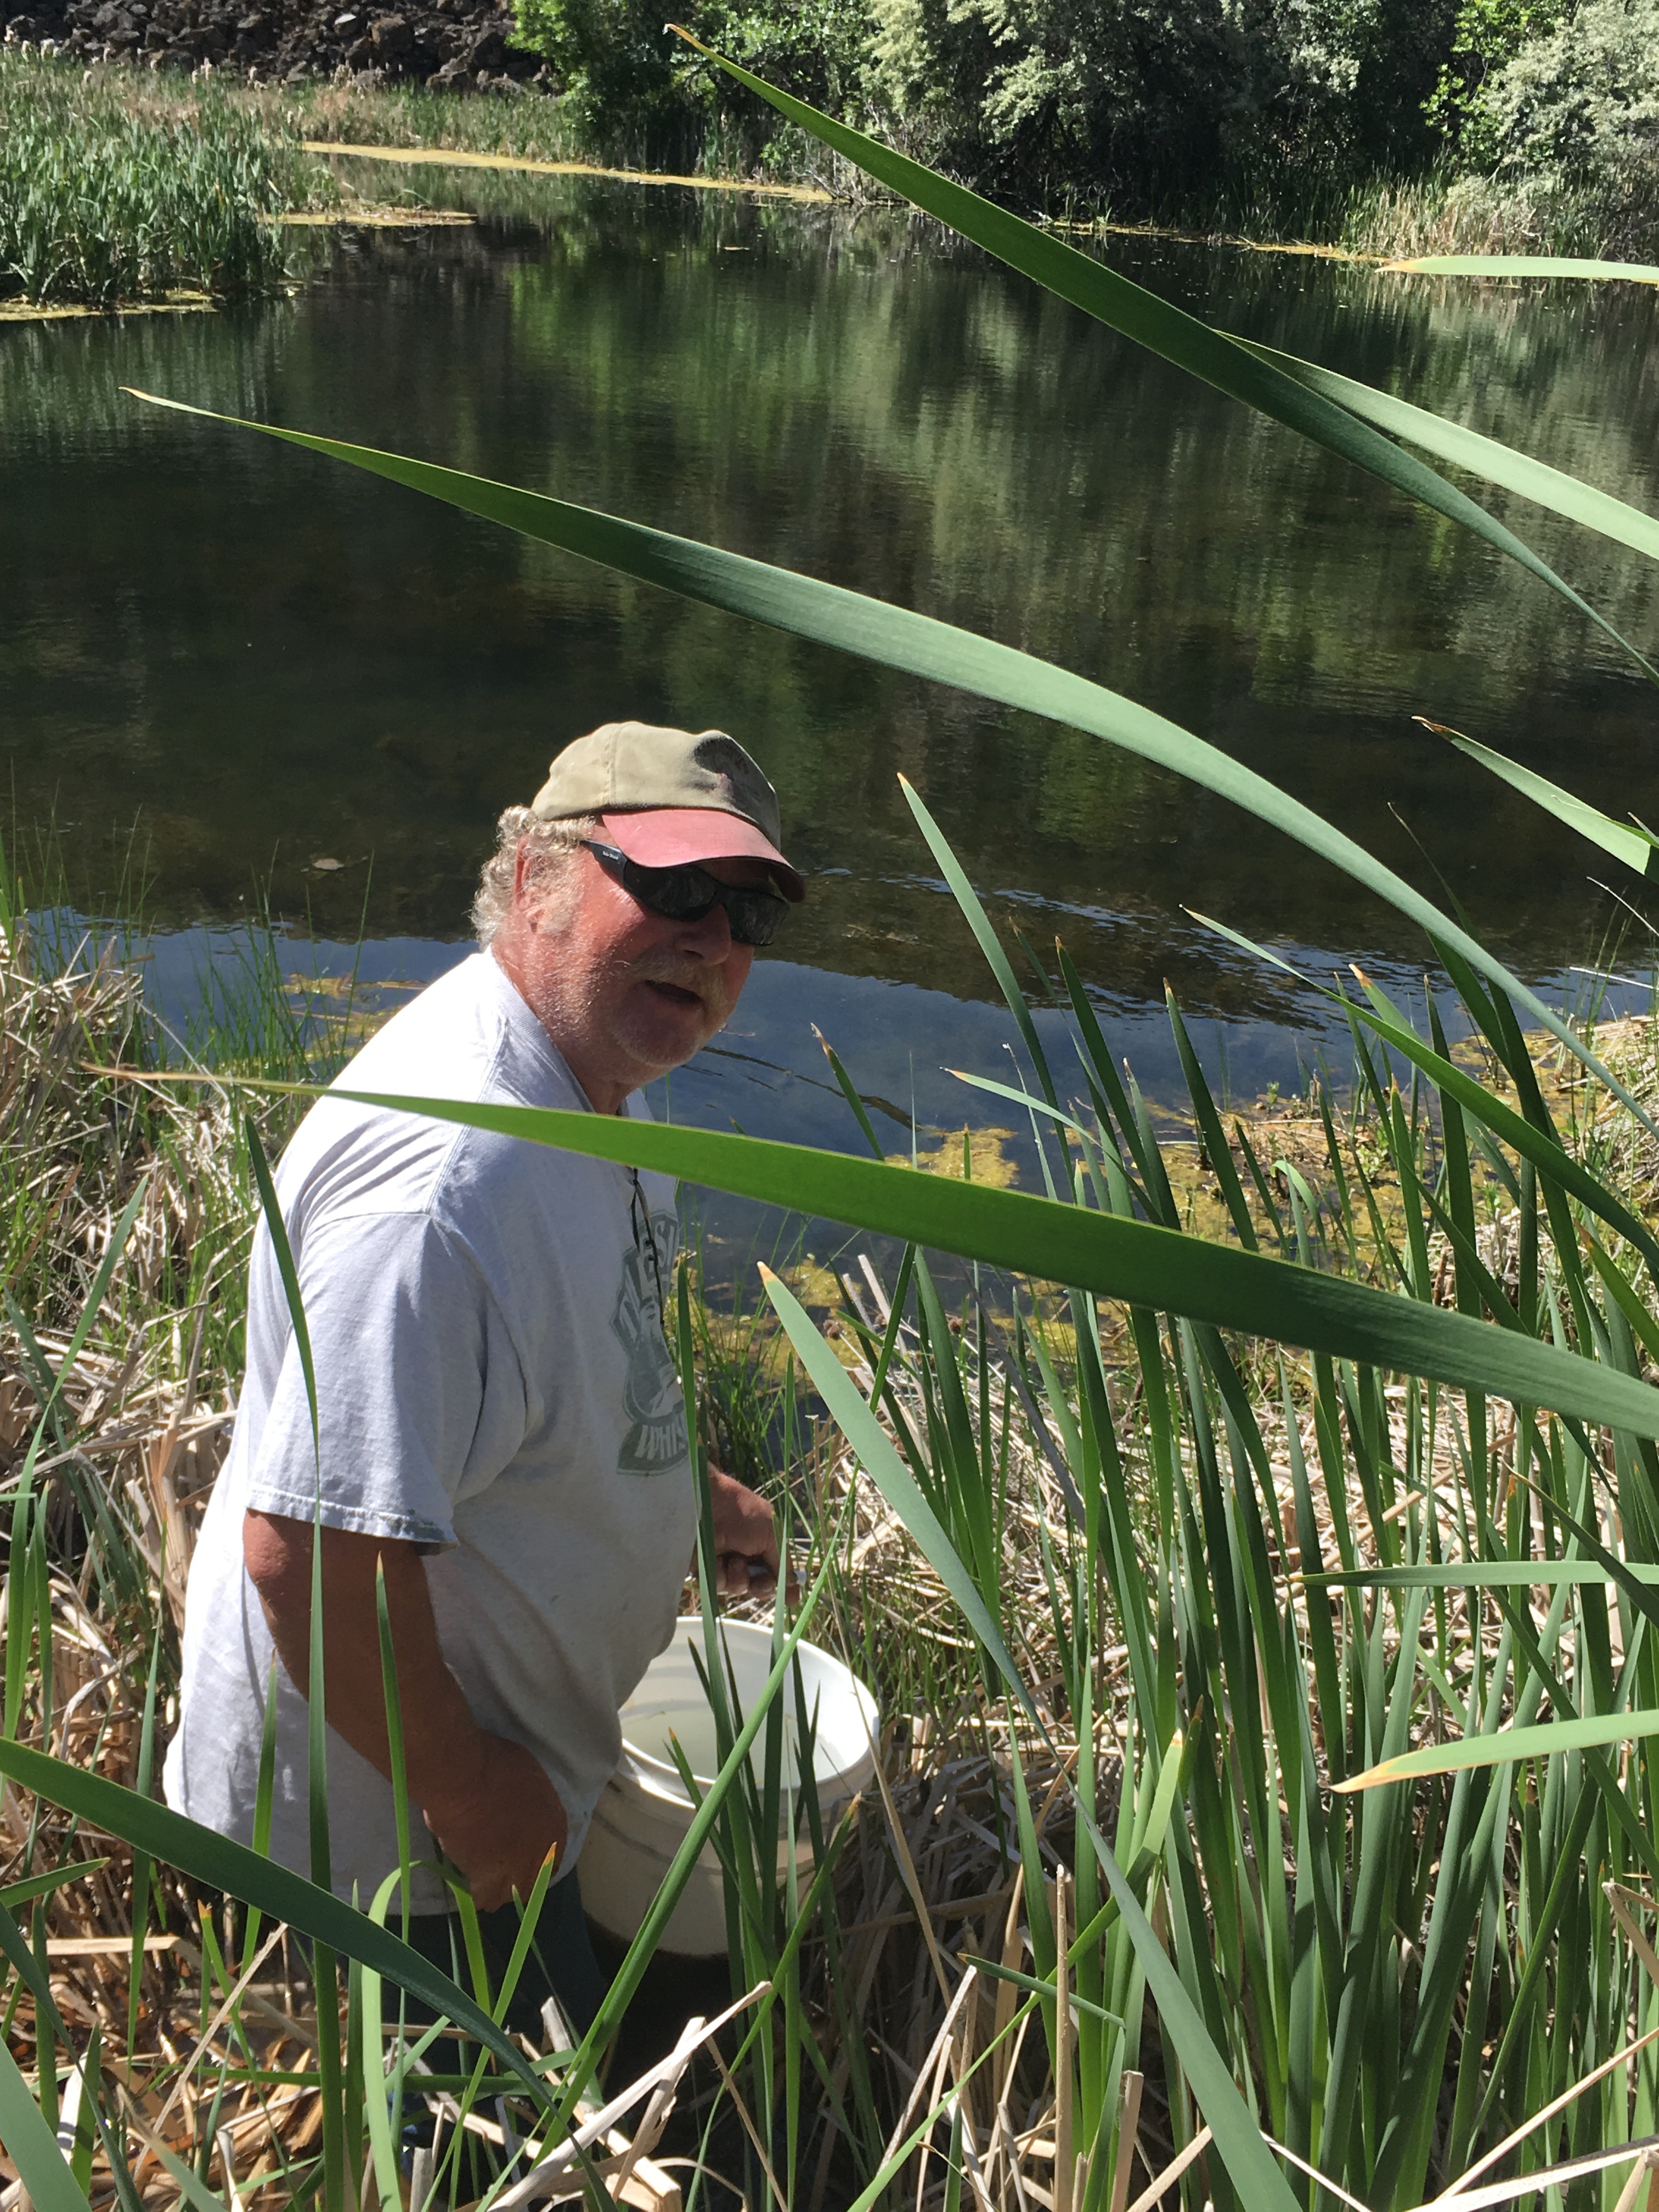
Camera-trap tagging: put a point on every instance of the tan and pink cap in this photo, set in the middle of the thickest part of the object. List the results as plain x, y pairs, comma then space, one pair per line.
668, 797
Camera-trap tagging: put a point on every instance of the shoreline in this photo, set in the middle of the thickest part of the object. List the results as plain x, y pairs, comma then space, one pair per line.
455, 157
183, 300
272, 140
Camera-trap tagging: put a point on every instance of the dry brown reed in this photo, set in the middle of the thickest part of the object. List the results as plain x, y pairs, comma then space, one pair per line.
931, 1880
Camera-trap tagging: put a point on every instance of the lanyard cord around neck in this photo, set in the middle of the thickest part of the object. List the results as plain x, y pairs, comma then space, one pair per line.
639, 1216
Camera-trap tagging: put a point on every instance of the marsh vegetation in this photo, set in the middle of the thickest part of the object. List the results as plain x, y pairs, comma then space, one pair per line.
1276, 1569
112, 191
1251, 1539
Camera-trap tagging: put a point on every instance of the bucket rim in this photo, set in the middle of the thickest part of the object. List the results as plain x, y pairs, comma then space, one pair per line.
836, 1785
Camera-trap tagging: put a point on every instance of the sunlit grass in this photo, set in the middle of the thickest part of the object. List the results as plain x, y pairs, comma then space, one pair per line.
104, 200
1150, 1523
1232, 1468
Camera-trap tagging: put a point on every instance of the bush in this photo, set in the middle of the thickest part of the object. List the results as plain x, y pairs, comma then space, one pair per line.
631, 87
1581, 105
1113, 96
1278, 115
1160, 107
1486, 34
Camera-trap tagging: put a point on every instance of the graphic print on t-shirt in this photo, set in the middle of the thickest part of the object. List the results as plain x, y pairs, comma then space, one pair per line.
656, 1441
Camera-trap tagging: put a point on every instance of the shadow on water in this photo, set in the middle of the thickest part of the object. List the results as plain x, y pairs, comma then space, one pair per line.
270, 662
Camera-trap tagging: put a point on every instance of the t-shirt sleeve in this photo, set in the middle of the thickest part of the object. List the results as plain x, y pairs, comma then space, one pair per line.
419, 1397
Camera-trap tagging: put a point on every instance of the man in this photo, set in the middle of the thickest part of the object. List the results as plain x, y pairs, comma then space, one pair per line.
499, 1422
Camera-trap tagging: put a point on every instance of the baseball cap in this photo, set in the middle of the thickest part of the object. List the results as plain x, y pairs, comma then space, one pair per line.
668, 797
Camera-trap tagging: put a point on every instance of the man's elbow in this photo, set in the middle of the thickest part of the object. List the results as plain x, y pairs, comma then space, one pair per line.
276, 1553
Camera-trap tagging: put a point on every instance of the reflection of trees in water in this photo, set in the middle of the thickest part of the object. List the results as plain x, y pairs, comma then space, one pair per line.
268, 652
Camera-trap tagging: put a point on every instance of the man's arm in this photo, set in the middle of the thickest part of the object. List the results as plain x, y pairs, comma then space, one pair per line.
486, 1799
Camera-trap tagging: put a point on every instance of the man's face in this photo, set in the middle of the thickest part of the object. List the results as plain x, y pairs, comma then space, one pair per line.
624, 994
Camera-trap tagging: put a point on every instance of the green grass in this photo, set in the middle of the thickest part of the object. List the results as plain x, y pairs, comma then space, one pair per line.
1440, 213
1164, 1547
530, 126
1130, 1504
115, 190
119, 185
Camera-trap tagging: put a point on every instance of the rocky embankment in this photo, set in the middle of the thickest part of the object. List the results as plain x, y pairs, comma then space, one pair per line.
458, 44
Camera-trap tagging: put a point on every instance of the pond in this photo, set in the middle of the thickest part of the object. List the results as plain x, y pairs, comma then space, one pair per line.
268, 660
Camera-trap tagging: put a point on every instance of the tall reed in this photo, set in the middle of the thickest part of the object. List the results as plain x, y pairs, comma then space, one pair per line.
1283, 1812
103, 203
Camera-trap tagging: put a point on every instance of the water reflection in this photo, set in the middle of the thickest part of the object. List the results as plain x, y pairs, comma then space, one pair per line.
272, 659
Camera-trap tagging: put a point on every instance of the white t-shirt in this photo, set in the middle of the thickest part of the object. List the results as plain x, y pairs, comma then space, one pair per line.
492, 1379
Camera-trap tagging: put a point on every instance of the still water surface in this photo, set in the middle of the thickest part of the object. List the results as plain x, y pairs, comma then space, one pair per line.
268, 660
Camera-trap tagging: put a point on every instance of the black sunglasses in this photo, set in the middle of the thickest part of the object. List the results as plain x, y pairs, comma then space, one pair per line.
687, 893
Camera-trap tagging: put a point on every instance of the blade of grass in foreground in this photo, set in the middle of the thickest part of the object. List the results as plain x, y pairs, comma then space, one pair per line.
1486, 1574
41, 2167
1527, 264
1481, 456
39, 1885
1626, 842
879, 1457
220, 1863
1540, 1741
1161, 1269
896, 637
1239, 371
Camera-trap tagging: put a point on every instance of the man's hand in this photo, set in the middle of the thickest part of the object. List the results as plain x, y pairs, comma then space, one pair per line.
501, 1822
745, 1539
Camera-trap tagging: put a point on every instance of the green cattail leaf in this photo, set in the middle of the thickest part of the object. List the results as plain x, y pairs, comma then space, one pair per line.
220, 1863
1163, 1269
895, 637
984, 935
1622, 839
39, 1885
858, 1423
32, 2145
1220, 360
1542, 1739
1486, 1574
1481, 456
1238, 2137
1527, 264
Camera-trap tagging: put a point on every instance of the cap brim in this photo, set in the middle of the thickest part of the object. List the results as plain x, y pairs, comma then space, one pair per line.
672, 837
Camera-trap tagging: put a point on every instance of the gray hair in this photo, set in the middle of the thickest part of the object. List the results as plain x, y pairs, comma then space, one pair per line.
552, 844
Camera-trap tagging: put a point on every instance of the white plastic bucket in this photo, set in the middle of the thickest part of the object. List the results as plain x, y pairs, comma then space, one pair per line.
645, 1810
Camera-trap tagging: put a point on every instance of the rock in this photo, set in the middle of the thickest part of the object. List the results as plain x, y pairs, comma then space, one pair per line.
458, 45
